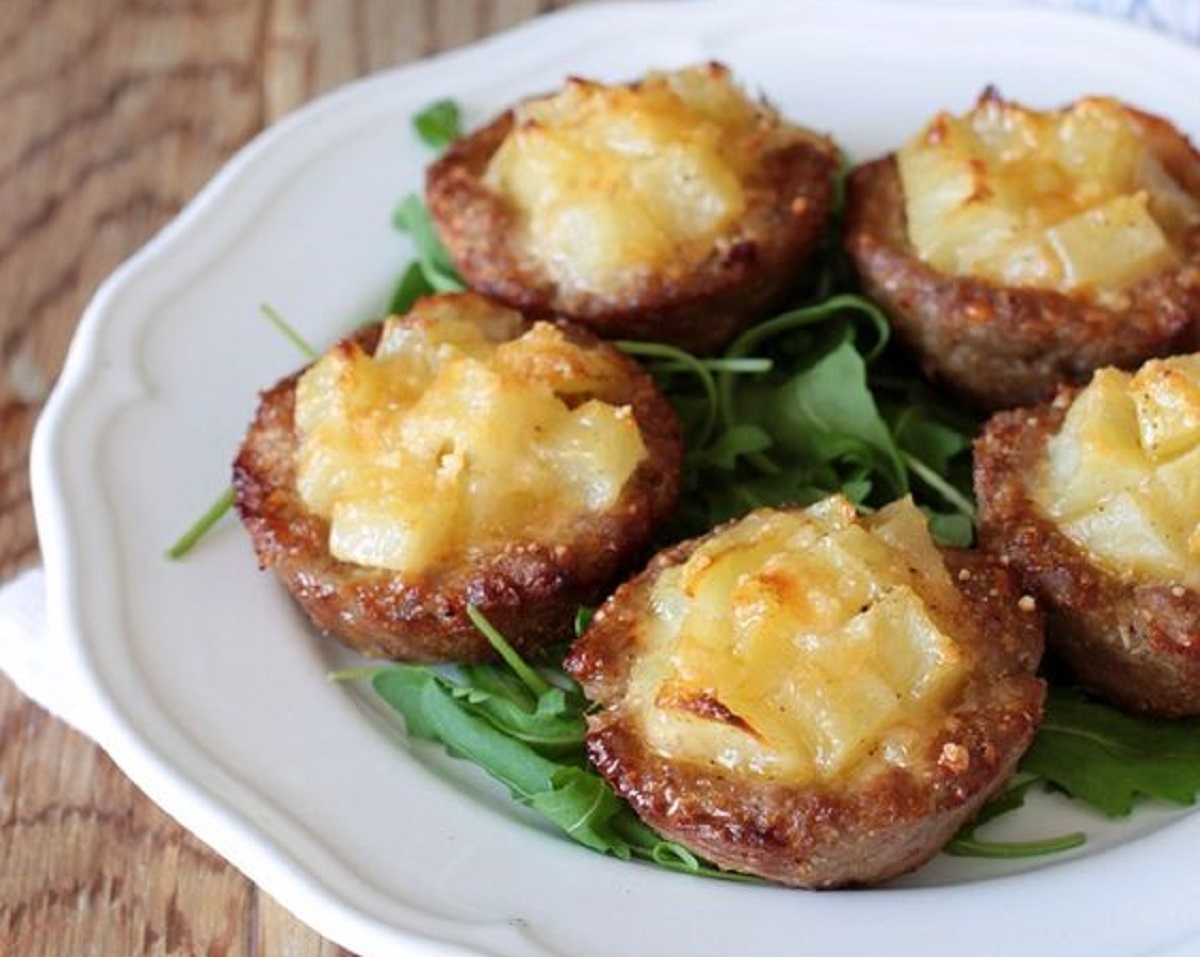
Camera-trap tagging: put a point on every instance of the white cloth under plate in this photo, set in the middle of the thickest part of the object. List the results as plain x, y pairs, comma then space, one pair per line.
25, 654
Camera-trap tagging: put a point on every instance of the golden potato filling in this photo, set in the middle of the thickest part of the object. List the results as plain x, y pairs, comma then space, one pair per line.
608, 183
1069, 200
463, 432
1122, 475
797, 644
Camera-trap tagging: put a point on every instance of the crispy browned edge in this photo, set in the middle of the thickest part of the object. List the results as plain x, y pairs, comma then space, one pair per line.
884, 822
1002, 347
745, 278
531, 592
1134, 644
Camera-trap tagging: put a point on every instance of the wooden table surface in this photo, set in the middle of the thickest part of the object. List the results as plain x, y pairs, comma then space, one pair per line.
114, 113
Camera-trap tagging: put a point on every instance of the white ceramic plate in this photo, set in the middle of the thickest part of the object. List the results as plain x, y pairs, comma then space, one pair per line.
210, 691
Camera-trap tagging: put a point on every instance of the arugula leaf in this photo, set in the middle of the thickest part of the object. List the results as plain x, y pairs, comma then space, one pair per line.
967, 843
410, 287
202, 526
732, 446
275, 318
224, 503
583, 618
925, 438
788, 414
1108, 759
825, 413
584, 806
954, 530
439, 124
411, 216
677, 360
554, 724
433, 711
527, 732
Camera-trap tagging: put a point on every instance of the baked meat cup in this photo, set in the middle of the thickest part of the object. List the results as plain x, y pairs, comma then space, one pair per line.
1014, 250
675, 209
1094, 500
808, 696
460, 455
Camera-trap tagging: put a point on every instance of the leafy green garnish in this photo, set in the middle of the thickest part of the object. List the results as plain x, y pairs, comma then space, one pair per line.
410, 287
439, 124
669, 361
789, 414
968, 843
411, 217
201, 527
224, 503
274, 317
1109, 759
526, 730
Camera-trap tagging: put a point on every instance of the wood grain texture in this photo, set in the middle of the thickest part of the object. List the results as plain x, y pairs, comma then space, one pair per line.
113, 114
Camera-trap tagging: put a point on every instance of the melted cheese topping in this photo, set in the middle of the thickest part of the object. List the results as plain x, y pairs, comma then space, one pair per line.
609, 183
1071, 200
1122, 476
796, 644
463, 432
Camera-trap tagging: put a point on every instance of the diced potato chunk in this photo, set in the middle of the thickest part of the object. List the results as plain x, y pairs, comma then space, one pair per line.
1167, 396
454, 438
1100, 427
1112, 244
1128, 527
1122, 475
609, 182
1071, 200
796, 644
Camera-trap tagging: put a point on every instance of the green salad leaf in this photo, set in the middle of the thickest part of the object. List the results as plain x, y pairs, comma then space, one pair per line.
1110, 760
410, 287
410, 216
525, 728
790, 413
968, 843
201, 526
439, 124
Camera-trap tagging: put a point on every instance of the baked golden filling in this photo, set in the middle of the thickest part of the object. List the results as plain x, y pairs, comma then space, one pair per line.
465, 430
795, 644
1122, 475
1071, 200
608, 183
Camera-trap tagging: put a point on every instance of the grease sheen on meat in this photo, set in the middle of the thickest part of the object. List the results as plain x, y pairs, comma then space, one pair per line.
810, 696
457, 455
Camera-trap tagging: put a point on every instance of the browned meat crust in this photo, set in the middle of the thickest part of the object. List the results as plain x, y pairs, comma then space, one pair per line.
744, 279
1002, 347
886, 821
1135, 644
531, 592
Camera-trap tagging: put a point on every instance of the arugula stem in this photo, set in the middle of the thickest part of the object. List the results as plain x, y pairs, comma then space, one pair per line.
659, 350
750, 365
749, 341
935, 481
411, 217
276, 319
187, 541
764, 463
968, 845
530, 678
